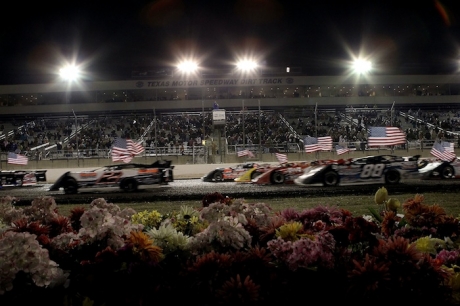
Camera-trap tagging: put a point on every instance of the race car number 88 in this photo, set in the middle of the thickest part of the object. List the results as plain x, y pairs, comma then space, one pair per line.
372, 170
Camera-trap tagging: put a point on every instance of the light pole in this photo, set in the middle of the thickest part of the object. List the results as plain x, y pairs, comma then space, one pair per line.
246, 66
71, 73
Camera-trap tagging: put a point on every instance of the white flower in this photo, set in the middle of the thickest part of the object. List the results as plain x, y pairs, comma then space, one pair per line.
22, 252
368, 218
64, 241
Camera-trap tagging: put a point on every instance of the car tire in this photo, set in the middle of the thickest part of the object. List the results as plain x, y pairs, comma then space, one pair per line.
277, 178
447, 172
331, 178
70, 186
129, 185
392, 177
217, 176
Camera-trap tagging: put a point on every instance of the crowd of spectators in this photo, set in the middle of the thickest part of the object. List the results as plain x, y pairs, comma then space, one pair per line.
177, 131
350, 126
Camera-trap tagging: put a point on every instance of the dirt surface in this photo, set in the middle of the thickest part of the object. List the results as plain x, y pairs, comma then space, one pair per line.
195, 189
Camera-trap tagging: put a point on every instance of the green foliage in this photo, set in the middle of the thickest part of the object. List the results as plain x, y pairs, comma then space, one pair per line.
375, 214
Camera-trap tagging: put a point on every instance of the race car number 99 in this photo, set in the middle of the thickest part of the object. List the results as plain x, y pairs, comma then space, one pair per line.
372, 170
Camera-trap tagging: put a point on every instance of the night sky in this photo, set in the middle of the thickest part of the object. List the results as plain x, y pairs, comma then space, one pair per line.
110, 39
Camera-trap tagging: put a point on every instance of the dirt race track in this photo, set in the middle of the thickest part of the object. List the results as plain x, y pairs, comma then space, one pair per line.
195, 189
188, 185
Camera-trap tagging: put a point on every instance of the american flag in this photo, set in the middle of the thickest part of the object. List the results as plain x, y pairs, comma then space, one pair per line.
325, 143
245, 153
448, 146
385, 136
125, 149
17, 159
312, 144
282, 158
440, 152
341, 150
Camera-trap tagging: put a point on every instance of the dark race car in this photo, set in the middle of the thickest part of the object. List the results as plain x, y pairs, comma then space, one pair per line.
17, 178
128, 177
231, 173
387, 169
284, 173
437, 169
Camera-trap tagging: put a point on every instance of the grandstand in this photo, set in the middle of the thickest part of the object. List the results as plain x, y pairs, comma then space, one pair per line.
265, 112
176, 93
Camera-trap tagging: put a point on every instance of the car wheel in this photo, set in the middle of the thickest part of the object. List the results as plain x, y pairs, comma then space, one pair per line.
18, 182
254, 174
129, 185
217, 176
392, 177
70, 187
447, 172
277, 178
331, 178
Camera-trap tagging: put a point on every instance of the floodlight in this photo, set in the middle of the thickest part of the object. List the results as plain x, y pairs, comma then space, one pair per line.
362, 66
70, 73
246, 65
187, 66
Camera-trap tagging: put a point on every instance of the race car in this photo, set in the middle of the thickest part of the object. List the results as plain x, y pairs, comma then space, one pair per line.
437, 169
231, 173
17, 178
128, 177
284, 173
387, 169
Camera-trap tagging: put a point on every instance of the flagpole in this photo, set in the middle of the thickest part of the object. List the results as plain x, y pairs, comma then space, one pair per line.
244, 143
76, 138
391, 123
204, 122
260, 134
203, 129
391, 113
155, 140
316, 121
316, 127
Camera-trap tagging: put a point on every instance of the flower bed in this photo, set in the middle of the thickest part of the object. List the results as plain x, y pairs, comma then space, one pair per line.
228, 252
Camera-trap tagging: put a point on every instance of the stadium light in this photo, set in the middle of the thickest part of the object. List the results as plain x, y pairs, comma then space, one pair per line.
187, 67
70, 73
246, 65
362, 66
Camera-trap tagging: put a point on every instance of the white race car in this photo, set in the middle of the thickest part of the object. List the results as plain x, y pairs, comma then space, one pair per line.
387, 169
127, 177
